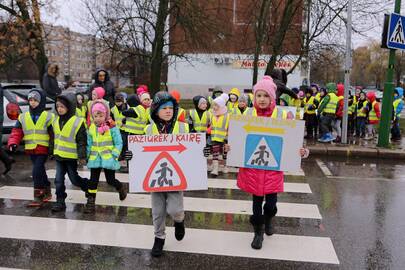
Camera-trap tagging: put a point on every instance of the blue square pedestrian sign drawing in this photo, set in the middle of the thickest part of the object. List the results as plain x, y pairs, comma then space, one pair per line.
396, 36
263, 152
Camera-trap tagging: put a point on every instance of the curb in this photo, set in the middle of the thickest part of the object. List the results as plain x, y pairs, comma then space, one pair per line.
350, 151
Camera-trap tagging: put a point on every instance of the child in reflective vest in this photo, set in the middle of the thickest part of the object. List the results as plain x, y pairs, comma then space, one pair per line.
69, 147
116, 113
374, 115
263, 184
98, 93
311, 121
34, 127
104, 144
164, 112
219, 132
361, 115
81, 109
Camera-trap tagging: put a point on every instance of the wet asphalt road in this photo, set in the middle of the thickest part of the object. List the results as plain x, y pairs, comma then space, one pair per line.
361, 202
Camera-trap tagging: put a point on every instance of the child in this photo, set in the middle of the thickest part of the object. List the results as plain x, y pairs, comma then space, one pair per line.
398, 105
104, 146
234, 95
327, 111
361, 117
146, 102
216, 92
219, 132
242, 104
164, 112
263, 184
182, 113
199, 116
311, 104
374, 115
116, 112
34, 127
337, 123
81, 109
69, 147
135, 119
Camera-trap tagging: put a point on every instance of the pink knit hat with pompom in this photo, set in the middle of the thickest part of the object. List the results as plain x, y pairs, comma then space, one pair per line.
266, 84
100, 92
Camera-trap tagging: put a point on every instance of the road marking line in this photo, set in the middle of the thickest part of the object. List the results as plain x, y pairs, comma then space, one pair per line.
215, 242
324, 168
212, 182
293, 210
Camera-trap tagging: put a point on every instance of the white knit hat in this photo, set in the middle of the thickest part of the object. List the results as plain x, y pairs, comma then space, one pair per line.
221, 102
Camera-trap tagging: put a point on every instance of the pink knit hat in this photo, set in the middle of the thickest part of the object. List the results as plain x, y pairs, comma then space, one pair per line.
100, 92
266, 84
98, 107
141, 90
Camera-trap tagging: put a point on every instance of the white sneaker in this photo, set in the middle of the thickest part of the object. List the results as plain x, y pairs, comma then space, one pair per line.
215, 167
225, 169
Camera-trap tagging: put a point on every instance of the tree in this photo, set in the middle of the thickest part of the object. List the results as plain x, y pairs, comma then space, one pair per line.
26, 15
141, 28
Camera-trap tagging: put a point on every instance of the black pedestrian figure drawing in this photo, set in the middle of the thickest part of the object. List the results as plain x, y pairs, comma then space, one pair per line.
162, 179
398, 33
260, 159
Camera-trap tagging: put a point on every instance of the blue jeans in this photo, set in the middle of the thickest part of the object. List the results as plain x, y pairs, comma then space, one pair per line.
38, 171
69, 167
361, 126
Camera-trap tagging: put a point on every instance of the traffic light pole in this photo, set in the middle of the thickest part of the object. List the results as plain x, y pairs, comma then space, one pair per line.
388, 96
348, 66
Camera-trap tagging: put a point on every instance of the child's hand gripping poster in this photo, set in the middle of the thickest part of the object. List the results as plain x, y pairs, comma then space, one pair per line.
265, 143
167, 162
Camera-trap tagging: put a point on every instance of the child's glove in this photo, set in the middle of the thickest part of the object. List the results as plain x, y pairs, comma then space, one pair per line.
13, 148
207, 151
82, 162
128, 155
124, 121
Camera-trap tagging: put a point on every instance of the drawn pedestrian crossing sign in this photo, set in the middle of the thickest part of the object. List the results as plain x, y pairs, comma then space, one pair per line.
263, 152
164, 175
396, 36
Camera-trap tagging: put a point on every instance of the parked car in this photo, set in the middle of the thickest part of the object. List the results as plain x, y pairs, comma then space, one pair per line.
15, 102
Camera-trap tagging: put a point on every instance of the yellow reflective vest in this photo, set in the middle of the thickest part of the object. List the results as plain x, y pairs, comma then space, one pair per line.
219, 127
372, 116
103, 144
200, 125
332, 104
81, 112
308, 103
36, 134
251, 111
136, 125
179, 127
65, 139
118, 117
361, 112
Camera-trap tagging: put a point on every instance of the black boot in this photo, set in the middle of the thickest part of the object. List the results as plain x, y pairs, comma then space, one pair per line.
268, 215
122, 193
90, 207
257, 223
47, 194
59, 206
179, 230
6, 159
157, 249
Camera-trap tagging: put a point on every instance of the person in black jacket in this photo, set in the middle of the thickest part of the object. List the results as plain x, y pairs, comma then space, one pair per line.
4, 157
279, 77
102, 79
67, 157
49, 81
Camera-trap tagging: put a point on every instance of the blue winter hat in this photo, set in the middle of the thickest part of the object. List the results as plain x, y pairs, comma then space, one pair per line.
166, 104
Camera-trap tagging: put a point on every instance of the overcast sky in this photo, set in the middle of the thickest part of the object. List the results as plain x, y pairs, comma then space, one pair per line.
69, 13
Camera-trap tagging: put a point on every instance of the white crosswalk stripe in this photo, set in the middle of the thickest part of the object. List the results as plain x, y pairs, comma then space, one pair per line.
294, 210
298, 248
212, 182
226, 243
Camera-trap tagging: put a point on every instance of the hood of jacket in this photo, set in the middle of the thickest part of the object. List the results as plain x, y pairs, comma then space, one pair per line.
42, 104
400, 92
159, 99
331, 88
340, 90
133, 100
371, 96
70, 100
196, 99
107, 76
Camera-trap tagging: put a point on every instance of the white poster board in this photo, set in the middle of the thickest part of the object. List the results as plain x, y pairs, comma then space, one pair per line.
265, 143
167, 162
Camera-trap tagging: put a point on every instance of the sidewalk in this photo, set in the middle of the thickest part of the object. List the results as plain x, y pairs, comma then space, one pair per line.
358, 148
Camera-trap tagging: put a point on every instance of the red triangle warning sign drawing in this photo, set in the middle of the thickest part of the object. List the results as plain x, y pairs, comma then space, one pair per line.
158, 177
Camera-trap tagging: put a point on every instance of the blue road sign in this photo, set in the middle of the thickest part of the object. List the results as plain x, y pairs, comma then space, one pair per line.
263, 152
396, 36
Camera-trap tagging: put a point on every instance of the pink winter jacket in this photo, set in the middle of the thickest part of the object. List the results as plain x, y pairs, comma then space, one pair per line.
260, 182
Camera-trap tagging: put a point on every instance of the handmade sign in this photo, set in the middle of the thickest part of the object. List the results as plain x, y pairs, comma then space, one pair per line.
265, 143
167, 162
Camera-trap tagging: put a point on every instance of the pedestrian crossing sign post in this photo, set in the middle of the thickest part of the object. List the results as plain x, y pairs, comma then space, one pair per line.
167, 162
396, 36
265, 143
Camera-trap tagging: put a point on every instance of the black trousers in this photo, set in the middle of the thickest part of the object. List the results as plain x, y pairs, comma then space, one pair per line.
269, 207
109, 175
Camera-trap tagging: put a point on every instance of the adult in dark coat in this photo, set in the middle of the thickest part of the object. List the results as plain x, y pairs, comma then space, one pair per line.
102, 79
7, 161
49, 81
280, 79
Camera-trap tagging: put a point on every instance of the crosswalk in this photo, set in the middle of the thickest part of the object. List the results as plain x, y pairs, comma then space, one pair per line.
235, 242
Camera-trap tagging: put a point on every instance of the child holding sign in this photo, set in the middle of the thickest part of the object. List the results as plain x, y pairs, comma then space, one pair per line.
164, 111
263, 184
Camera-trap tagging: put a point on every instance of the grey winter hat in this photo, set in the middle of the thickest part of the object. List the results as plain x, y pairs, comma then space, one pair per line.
34, 95
243, 98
